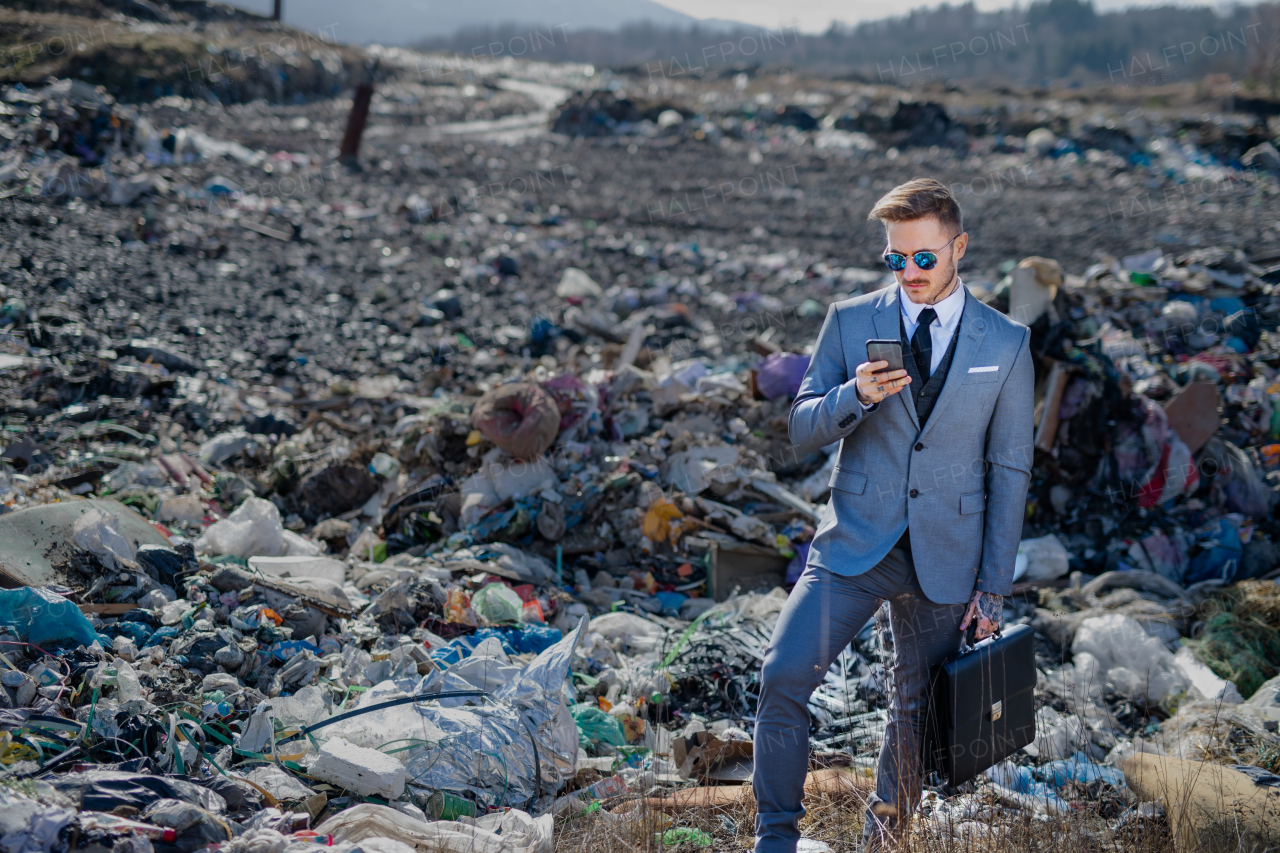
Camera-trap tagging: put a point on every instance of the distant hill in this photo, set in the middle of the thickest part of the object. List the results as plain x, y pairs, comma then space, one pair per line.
402, 22
1046, 42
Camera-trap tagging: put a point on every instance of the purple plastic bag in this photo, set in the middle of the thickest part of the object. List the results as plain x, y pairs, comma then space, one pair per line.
780, 374
796, 567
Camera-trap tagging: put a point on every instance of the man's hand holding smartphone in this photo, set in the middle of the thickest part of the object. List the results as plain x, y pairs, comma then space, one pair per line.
875, 380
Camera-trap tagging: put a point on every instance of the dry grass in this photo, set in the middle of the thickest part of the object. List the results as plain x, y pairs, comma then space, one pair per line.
838, 822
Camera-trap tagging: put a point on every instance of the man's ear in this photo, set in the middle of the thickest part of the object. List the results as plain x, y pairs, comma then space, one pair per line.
961, 243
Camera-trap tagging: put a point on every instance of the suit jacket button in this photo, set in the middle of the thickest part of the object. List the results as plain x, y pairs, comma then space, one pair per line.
919, 446
915, 493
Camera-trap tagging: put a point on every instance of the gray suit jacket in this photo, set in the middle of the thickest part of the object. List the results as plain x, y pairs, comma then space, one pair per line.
959, 480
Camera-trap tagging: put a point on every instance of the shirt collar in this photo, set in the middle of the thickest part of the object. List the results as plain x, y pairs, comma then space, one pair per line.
947, 310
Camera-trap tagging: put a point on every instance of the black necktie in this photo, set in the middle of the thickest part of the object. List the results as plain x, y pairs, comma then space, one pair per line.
922, 342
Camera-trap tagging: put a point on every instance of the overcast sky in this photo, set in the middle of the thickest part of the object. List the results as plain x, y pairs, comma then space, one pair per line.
816, 15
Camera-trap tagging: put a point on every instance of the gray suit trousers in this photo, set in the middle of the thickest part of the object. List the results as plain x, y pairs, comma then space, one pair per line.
819, 620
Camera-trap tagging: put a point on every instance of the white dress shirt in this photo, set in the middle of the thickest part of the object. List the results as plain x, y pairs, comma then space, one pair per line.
942, 329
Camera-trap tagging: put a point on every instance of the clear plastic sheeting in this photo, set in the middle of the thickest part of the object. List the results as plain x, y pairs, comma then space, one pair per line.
99, 533
27, 826
507, 752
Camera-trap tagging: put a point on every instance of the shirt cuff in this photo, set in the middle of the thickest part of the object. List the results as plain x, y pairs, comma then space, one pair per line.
868, 407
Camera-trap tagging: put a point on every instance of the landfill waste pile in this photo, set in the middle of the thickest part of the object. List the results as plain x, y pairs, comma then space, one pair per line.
141, 51
447, 501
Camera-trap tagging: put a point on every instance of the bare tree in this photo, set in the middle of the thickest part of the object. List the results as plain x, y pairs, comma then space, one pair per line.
1264, 58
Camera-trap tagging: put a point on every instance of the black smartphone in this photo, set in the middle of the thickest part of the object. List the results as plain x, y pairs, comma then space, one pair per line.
890, 351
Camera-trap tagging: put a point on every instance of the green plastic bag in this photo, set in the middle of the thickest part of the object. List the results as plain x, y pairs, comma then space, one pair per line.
595, 726
43, 618
497, 603
676, 836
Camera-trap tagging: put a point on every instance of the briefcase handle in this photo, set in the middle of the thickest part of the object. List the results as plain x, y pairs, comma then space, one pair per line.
970, 639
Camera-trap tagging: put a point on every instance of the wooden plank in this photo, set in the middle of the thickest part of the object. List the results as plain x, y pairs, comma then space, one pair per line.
113, 609
1047, 421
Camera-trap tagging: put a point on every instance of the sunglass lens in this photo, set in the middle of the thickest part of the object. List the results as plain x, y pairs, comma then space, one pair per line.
926, 260
895, 261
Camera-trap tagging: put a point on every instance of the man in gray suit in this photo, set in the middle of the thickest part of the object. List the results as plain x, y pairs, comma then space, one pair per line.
927, 503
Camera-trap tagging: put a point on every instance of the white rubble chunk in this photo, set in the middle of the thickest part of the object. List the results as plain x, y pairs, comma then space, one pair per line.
364, 771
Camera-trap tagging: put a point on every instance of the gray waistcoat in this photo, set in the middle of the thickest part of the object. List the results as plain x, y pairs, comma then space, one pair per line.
925, 394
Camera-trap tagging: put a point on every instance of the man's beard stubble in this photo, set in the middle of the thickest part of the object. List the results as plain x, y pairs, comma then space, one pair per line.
942, 292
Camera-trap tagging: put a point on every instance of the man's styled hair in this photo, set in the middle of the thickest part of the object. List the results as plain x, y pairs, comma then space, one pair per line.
917, 199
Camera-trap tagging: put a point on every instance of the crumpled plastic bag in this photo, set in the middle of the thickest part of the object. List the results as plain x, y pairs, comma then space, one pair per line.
253, 530
304, 708
497, 603
258, 840
1237, 483
1221, 553
529, 567
99, 533
513, 831
630, 633
43, 618
519, 417
1042, 559
196, 827
487, 668
1078, 768
579, 405
502, 478
279, 784
256, 736
27, 826
1133, 662
107, 790
781, 374
595, 727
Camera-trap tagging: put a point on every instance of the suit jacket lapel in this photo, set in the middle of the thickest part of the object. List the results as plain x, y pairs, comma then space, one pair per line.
970, 332
888, 327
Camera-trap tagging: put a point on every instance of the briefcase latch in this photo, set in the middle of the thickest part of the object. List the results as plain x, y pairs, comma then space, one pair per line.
997, 710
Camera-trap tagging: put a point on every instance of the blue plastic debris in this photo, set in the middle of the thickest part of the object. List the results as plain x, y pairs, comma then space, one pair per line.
43, 618
1078, 768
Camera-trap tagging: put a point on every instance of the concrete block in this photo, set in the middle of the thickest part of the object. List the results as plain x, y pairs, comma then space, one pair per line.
360, 770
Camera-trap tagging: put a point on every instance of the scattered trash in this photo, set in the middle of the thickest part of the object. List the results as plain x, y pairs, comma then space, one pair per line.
380, 512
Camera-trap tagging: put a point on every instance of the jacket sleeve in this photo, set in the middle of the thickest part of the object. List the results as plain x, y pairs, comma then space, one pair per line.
827, 408
1008, 462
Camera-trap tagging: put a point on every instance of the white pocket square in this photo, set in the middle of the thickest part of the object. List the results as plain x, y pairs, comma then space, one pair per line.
988, 369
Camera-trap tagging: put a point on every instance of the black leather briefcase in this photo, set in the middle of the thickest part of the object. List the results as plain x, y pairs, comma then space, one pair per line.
983, 706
